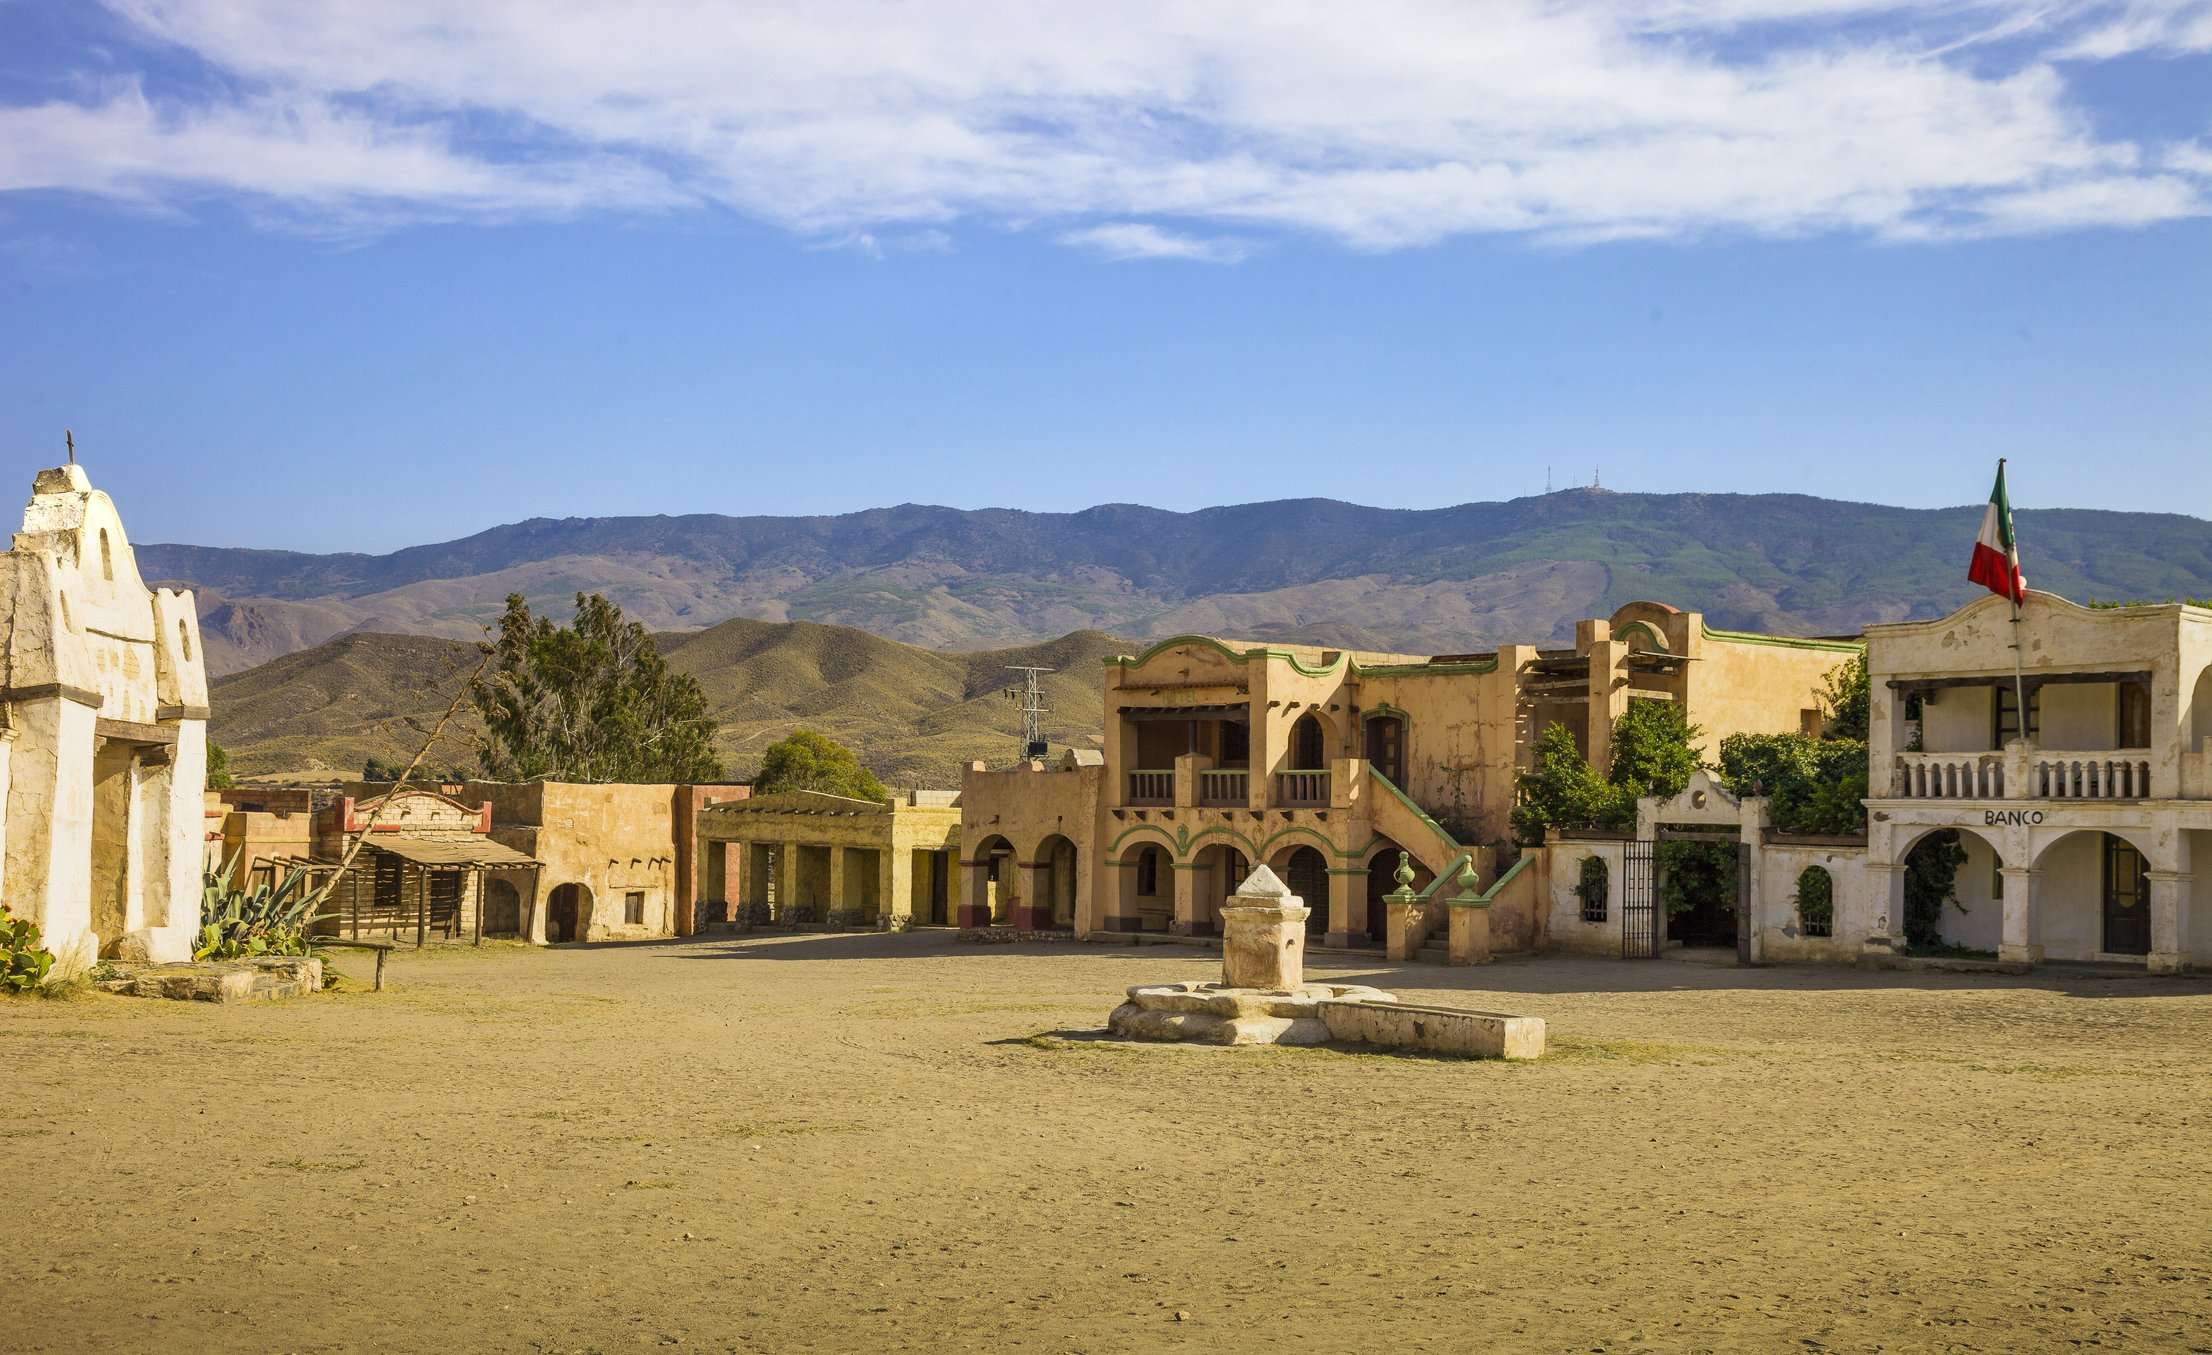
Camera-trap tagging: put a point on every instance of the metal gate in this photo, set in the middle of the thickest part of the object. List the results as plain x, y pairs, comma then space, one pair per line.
1640, 901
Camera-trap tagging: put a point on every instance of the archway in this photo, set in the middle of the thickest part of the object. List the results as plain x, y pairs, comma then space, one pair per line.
2092, 897
1699, 884
992, 887
502, 907
1386, 747
1147, 887
1306, 871
1054, 906
1309, 747
1953, 894
568, 913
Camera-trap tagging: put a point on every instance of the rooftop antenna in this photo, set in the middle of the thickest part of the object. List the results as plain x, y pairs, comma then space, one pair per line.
1032, 699
1594, 478
69, 440
1547, 479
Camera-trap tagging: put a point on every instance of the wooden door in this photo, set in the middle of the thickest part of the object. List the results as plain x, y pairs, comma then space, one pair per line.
2127, 914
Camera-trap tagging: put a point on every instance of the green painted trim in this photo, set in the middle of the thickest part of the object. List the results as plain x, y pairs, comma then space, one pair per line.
1407, 800
1745, 637
1659, 642
1167, 839
1470, 668
1343, 660
1230, 835
1267, 848
1490, 895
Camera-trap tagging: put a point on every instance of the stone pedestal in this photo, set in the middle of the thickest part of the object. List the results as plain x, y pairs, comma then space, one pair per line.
1263, 936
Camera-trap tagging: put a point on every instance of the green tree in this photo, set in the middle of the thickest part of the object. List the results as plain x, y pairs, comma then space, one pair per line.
218, 767
1814, 785
1844, 694
1654, 749
812, 761
807, 760
590, 701
1562, 790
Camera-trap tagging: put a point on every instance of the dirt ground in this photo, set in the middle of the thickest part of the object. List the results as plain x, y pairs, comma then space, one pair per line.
872, 1144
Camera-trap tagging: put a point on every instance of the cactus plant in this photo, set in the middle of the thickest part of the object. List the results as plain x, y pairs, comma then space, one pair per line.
268, 919
24, 959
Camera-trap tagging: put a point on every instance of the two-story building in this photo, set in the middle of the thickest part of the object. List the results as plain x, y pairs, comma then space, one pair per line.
2080, 816
1324, 764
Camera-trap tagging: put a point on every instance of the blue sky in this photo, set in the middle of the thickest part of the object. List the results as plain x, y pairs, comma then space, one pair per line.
358, 275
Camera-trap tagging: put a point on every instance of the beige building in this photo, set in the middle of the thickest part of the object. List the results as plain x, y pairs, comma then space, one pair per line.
424, 866
617, 862
2082, 824
812, 858
103, 736
1324, 764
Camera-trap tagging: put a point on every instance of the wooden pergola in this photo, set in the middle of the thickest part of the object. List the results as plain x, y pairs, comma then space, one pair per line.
399, 881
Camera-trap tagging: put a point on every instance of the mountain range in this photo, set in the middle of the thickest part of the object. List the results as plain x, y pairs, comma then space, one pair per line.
1420, 580
915, 715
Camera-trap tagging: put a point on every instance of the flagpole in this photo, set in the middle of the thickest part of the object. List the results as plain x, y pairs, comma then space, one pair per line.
2012, 562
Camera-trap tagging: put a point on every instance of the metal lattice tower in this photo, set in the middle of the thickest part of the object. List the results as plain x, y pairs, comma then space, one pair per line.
1032, 699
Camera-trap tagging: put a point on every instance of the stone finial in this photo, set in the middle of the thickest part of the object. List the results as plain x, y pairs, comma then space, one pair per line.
1467, 877
1404, 873
1264, 885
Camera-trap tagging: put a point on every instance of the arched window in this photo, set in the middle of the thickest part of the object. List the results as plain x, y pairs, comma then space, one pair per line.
1816, 902
1305, 745
1594, 887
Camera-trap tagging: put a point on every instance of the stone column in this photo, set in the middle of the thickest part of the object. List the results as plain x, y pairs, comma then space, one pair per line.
2016, 947
2169, 920
1263, 935
1033, 909
1404, 912
838, 899
895, 885
1468, 941
975, 908
1608, 695
1347, 906
1885, 927
1190, 908
787, 879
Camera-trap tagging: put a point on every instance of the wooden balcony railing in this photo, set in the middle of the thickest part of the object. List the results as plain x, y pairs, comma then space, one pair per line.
1152, 788
1224, 786
1302, 790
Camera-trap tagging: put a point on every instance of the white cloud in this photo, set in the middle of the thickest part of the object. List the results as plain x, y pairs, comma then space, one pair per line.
1141, 240
1383, 125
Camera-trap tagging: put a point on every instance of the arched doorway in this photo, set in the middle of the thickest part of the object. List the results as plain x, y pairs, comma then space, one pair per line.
568, 913
1699, 886
502, 907
2092, 897
1386, 747
1147, 888
1306, 871
1954, 895
991, 884
1055, 906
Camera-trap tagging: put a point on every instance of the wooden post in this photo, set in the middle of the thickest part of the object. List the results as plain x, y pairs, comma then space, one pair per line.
479, 875
422, 906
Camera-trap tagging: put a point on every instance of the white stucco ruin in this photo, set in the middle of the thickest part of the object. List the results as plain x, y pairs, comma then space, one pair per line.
103, 736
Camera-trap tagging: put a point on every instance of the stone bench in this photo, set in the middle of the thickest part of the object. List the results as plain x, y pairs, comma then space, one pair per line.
1435, 1030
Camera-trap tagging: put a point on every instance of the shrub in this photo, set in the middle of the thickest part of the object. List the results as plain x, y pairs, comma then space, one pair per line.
808, 760
1562, 790
1814, 785
264, 920
1691, 870
24, 959
1931, 880
1654, 750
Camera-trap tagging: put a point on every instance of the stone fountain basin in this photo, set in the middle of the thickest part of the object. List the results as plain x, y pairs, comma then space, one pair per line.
1214, 1013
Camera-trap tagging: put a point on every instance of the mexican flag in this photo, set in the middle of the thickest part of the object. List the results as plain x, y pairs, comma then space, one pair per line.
1996, 563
